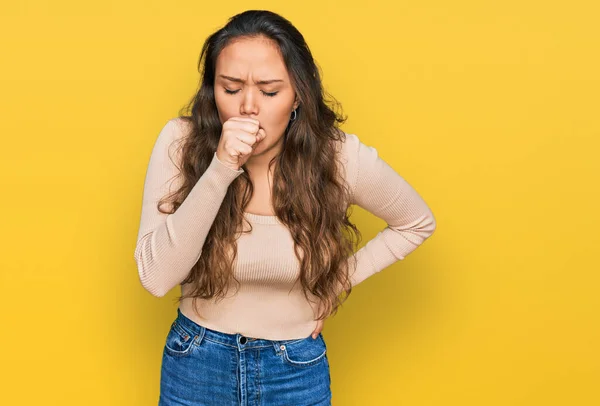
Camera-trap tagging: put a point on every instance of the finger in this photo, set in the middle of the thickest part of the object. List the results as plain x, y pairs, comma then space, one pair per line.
261, 135
248, 139
250, 127
240, 150
252, 120
255, 140
255, 124
318, 329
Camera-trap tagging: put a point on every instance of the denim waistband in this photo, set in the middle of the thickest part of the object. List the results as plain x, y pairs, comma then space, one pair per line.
236, 340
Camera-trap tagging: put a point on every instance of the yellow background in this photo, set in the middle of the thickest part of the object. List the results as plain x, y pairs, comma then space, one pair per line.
488, 108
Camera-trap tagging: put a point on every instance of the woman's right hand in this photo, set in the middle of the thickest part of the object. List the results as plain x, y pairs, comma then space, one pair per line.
239, 137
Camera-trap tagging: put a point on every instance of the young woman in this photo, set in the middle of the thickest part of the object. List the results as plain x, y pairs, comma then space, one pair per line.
246, 206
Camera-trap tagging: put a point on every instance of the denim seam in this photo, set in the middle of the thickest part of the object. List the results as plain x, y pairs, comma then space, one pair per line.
233, 346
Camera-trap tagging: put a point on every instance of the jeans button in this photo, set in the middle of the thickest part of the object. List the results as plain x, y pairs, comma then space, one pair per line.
243, 340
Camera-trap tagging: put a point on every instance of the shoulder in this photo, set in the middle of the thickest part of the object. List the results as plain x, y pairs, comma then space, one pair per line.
361, 162
172, 130
177, 128
348, 148
182, 125
171, 137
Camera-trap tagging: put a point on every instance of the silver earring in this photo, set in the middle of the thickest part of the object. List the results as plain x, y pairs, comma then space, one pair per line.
295, 115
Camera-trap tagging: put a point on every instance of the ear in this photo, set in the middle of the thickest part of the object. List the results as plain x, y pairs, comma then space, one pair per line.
296, 103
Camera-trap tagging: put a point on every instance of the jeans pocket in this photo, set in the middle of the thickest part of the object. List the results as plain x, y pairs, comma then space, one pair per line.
179, 342
305, 352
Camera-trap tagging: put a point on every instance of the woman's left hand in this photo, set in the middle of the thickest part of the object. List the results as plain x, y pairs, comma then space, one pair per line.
318, 329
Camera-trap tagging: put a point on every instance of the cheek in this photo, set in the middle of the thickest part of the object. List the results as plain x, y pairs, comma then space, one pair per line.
279, 117
224, 109
274, 124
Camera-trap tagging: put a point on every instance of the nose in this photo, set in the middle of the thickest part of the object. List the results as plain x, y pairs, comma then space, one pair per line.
249, 104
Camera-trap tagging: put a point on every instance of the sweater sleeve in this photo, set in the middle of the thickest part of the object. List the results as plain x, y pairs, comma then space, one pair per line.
169, 245
379, 189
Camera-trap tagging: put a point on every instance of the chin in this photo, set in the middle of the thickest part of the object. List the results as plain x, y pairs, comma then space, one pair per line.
259, 150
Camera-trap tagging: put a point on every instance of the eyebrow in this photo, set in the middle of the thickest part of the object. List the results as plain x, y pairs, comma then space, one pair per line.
260, 82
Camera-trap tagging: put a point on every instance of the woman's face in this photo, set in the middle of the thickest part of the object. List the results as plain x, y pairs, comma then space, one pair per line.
251, 80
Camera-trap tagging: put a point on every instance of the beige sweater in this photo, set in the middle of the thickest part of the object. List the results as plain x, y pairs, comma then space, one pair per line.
169, 245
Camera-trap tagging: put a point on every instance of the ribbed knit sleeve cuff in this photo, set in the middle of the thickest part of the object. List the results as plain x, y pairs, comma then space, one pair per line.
223, 172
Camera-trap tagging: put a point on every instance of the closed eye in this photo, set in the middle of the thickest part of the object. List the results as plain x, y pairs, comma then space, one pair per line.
264, 93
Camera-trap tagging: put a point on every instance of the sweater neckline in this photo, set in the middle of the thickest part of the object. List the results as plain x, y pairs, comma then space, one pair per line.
261, 218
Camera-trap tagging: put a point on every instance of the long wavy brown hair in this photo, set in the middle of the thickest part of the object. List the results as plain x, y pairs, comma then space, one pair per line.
310, 196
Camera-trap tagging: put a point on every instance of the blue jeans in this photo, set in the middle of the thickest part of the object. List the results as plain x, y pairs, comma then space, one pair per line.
201, 366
